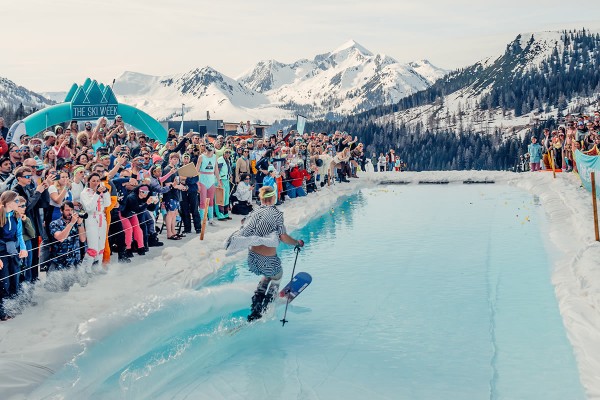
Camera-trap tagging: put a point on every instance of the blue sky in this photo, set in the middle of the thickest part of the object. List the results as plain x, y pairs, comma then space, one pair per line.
47, 45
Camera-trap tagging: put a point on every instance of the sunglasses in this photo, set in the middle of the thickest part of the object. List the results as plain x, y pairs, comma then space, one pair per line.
247, 179
27, 176
144, 191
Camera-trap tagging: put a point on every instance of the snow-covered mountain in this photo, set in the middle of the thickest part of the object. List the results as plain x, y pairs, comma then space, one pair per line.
347, 80
201, 90
12, 95
510, 92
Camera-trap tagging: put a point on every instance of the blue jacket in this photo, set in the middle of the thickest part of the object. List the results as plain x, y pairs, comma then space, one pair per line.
535, 152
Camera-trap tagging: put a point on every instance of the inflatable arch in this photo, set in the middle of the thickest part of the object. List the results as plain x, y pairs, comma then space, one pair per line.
89, 102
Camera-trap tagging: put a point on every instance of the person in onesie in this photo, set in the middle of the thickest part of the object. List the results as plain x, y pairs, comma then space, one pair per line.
95, 199
209, 176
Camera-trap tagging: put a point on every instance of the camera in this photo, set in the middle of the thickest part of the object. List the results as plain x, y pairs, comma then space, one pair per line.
82, 214
56, 176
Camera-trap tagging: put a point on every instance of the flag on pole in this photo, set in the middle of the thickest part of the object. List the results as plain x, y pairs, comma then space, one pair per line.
181, 127
300, 123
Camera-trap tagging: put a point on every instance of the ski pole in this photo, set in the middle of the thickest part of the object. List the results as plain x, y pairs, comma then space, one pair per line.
287, 302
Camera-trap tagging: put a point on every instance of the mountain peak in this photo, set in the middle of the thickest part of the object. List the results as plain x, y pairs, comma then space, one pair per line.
352, 44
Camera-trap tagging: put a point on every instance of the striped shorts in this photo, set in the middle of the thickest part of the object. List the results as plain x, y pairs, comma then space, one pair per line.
269, 266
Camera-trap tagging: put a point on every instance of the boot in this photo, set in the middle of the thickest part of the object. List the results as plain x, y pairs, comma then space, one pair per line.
128, 253
141, 251
257, 301
257, 306
153, 241
84, 269
123, 258
99, 269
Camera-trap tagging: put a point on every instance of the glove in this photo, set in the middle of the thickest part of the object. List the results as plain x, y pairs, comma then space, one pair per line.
300, 243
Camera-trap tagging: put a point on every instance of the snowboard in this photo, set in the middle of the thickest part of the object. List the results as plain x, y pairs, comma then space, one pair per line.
295, 287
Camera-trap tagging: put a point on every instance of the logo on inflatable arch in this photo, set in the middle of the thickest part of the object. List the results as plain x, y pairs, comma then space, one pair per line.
87, 102
92, 101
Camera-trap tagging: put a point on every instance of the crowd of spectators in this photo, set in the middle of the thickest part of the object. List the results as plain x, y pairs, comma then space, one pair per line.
556, 149
76, 197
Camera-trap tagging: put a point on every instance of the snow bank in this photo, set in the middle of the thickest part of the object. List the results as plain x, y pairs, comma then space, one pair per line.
47, 336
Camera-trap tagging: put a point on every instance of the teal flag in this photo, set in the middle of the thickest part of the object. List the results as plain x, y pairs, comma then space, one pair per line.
585, 166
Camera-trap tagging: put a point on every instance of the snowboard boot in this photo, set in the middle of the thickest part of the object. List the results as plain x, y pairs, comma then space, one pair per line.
256, 308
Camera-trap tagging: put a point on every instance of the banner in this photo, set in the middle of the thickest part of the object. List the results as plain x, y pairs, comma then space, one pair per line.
585, 165
181, 126
301, 122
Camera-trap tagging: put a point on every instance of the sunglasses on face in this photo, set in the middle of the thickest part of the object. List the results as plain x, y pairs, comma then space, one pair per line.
144, 191
27, 176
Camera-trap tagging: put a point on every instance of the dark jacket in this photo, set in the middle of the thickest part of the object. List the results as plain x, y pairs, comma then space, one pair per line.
134, 205
33, 206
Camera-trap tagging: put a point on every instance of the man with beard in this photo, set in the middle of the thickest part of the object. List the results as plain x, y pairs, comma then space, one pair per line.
68, 232
6, 176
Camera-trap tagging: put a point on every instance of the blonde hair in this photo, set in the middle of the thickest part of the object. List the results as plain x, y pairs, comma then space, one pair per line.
6, 198
56, 183
266, 194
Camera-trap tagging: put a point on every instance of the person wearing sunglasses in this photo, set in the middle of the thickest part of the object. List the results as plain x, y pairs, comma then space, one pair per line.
242, 165
33, 194
241, 199
15, 155
137, 203
6, 176
28, 235
12, 248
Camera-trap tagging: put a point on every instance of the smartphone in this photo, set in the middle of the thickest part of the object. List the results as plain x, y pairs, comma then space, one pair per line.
56, 176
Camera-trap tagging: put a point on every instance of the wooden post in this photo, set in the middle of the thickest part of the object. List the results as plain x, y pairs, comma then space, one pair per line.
595, 206
206, 205
551, 155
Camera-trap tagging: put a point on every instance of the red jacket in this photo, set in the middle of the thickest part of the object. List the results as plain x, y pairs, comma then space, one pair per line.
298, 176
3, 147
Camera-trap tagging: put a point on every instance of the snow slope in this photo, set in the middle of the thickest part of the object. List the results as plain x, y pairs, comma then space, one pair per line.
62, 325
525, 53
12, 95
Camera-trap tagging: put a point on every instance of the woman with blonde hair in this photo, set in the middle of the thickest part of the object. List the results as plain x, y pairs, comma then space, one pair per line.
260, 234
59, 192
12, 247
50, 158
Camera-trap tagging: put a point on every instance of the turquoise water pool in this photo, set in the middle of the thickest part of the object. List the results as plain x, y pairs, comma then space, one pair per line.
419, 292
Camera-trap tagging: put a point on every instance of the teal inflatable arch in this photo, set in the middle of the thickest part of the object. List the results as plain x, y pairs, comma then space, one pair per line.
89, 102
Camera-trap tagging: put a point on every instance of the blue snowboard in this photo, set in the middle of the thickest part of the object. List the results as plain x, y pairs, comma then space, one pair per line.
295, 287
